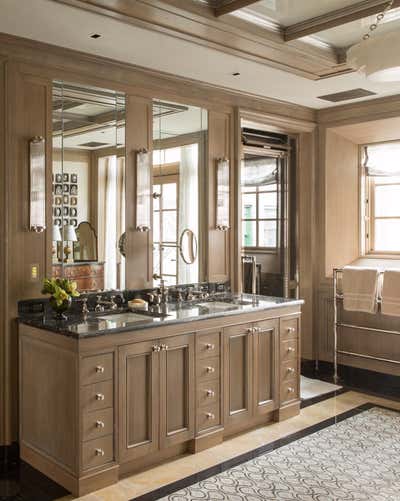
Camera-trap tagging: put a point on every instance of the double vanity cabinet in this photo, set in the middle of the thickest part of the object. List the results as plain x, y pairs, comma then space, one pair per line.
96, 405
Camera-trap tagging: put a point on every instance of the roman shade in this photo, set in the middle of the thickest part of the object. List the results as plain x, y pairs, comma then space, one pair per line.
382, 159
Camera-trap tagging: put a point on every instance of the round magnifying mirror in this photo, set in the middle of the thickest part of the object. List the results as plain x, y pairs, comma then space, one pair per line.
188, 246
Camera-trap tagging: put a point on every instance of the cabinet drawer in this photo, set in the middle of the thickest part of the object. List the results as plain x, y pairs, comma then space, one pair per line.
97, 368
289, 350
208, 393
97, 424
289, 328
289, 390
97, 452
289, 370
207, 345
207, 369
97, 396
208, 417
237, 330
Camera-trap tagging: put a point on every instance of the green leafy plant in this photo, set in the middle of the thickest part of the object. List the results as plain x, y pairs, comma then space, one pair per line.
61, 289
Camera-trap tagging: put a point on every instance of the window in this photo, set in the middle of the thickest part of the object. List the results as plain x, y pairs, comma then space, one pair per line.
382, 200
260, 203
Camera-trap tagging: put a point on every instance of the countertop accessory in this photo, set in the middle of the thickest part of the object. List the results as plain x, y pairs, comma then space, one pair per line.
61, 292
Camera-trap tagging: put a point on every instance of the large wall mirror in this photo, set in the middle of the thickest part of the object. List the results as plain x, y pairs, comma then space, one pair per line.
179, 167
88, 185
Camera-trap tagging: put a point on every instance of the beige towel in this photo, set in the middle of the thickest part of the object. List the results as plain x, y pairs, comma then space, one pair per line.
360, 289
391, 293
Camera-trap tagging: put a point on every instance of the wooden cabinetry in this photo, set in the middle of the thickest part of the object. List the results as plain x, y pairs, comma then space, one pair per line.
156, 395
251, 371
122, 402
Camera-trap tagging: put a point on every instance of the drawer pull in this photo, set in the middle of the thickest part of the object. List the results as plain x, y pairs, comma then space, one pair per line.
291, 349
155, 348
250, 330
210, 415
210, 370
99, 396
99, 424
210, 346
210, 393
256, 330
290, 329
290, 370
99, 452
290, 390
164, 347
100, 369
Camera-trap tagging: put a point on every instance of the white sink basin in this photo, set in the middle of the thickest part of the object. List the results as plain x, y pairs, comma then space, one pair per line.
218, 306
126, 318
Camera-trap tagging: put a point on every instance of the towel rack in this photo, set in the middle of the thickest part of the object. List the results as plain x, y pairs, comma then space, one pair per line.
339, 297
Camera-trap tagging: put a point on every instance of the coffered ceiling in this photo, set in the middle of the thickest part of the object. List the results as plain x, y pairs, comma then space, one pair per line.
244, 50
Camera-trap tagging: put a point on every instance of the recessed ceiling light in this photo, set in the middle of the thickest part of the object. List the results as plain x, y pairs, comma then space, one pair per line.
236, 74
95, 35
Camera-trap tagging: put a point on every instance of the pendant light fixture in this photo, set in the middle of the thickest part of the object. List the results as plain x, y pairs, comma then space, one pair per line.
378, 55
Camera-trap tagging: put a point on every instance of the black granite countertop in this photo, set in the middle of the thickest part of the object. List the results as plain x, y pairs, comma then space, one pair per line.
111, 322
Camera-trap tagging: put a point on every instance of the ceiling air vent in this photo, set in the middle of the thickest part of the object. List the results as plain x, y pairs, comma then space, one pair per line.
347, 95
93, 144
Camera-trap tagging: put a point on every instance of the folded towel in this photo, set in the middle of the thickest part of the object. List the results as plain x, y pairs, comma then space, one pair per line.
391, 293
360, 289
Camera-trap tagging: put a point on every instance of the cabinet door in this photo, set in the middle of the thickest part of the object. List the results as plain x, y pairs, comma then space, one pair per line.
265, 366
238, 374
177, 371
138, 399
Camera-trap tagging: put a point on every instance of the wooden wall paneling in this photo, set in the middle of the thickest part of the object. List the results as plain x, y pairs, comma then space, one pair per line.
219, 146
341, 191
139, 254
236, 234
3, 250
28, 114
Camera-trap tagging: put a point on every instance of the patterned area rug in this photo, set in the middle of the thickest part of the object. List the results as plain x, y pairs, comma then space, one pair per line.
355, 459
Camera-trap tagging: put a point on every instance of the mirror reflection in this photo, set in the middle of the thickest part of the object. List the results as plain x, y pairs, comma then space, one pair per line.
179, 157
88, 185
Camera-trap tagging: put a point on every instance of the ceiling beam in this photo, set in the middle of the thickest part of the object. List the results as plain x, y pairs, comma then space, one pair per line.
336, 18
228, 7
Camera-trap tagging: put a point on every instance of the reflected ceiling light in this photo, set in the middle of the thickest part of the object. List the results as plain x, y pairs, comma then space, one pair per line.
378, 55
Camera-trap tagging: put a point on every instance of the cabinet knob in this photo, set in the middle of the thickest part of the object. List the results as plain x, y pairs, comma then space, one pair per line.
155, 348
290, 349
164, 347
99, 424
210, 370
290, 329
210, 346
290, 370
99, 396
99, 452
290, 390
100, 369
210, 415
250, 330
257, 329
210, 393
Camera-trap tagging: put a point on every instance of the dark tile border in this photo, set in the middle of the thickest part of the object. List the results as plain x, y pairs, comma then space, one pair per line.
221, 467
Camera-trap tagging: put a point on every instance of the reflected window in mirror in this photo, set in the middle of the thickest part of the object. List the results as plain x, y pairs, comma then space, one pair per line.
179, 166
88, 185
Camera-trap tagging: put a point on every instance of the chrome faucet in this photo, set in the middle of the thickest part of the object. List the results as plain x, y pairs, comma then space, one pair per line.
101, 303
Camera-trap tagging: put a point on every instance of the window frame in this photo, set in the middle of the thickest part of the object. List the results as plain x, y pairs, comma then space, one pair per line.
367, 203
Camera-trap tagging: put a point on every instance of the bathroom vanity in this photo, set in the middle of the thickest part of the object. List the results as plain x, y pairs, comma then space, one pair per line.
103, 397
